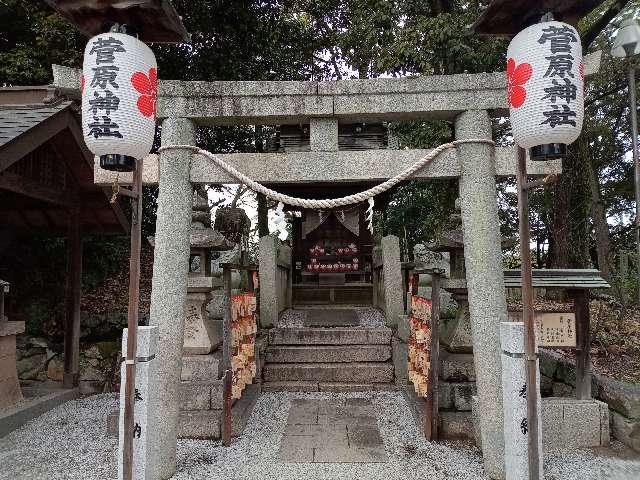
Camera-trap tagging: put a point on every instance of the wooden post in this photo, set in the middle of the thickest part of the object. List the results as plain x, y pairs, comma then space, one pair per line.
226, 356
528, 317
71, 377
583, 344
132, 323
2, 319
227, 426
226, 319
431, 419
405, 289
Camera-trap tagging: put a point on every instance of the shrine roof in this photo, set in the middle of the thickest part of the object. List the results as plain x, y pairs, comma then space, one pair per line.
46, 170
508, 17
155, 20
18, 119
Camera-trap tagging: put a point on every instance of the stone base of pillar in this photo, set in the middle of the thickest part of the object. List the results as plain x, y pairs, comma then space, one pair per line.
10, 392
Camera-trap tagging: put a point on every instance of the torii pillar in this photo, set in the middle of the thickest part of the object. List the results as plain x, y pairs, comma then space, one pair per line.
169, 287
485, 279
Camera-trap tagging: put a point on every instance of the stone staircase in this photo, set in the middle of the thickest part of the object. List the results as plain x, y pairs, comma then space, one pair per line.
330, 359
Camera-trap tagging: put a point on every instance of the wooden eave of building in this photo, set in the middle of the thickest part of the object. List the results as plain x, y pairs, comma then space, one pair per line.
508, 17
29, 204
156, 21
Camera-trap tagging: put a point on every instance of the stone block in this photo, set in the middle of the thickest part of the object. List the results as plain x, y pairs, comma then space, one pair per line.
400, 360
195, 396
387, 387
328, 353
323, 134
404, 330
445, 396
548, 364
560, 389
546, 386
339, 387
462, 394
566, 373
268, 256
392, 270
200, 333
622, 397
457, 367
571, 423
201, 368
455, 333
201, 425
456, 426
626, 430
368, 372
290, 387
330, 336
112, 423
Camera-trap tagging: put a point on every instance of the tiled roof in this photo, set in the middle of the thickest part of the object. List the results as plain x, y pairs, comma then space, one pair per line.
16, 120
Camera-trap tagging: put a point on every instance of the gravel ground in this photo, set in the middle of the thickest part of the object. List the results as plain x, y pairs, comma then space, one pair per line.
70, 442
367, 318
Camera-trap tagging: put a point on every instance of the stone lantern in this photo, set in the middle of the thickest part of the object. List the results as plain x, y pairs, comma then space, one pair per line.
456, 334
200, 333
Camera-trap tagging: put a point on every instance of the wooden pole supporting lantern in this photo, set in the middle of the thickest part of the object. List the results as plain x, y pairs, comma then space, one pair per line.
545, 87
119, 94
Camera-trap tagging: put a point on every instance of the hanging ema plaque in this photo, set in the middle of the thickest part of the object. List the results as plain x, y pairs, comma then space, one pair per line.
420, 344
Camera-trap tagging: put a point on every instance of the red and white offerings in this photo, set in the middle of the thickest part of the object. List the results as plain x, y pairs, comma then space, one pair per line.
119, 92
420, 344
243, 340
545, 83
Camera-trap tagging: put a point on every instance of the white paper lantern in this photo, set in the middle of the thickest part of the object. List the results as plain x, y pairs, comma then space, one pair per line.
545, 85
119, 93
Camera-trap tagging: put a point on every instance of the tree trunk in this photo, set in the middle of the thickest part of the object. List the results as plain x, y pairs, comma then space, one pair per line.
263, 216
571, 215
599, 215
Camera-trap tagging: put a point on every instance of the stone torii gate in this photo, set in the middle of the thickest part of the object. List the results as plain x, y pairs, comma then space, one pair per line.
469, 101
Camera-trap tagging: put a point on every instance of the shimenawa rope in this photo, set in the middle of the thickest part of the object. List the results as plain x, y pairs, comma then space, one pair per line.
327, 203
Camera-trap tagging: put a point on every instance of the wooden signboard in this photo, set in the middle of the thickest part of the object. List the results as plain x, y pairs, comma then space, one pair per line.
556, 329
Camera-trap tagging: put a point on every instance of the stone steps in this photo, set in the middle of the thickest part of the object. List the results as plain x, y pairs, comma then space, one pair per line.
361, 372
330, 336
328, 353
296, 386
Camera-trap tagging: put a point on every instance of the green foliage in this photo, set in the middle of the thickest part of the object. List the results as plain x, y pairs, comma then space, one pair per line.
31, 39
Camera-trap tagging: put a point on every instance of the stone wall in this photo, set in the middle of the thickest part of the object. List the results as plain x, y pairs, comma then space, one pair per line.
558, 378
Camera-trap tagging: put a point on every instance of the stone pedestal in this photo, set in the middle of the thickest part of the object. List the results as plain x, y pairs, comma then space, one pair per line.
200, 333
514, 394
455, 334
10, 392
143, 426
